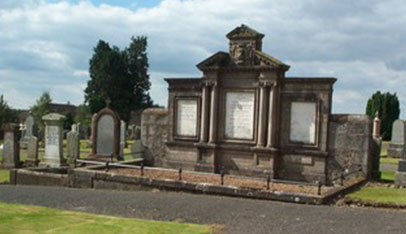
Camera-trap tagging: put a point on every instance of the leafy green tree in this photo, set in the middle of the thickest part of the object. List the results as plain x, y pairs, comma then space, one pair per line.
387, 105
83, 115
7, 115
41, 108
121, 76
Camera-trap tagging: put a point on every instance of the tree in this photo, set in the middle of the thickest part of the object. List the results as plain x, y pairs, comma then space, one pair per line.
121, 76
83, 115
41, 108
69, 120
387, 105
7, 115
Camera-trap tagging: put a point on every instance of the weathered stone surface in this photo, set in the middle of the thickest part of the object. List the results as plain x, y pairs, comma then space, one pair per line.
11, 148
351, 145
73, 145
32, 152
154, 133
53, 140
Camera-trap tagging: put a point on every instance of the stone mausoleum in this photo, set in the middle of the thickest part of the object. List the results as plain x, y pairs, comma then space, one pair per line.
245, 117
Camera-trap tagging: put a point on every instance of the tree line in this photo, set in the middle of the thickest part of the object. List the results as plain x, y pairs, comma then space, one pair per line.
120, 76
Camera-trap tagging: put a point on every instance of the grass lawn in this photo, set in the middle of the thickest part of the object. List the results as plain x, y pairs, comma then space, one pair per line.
33, 219
380, 194
4, 176
388, 175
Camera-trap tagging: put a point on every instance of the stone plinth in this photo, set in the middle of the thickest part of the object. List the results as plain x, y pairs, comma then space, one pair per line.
400, 176
11, 148
53, 140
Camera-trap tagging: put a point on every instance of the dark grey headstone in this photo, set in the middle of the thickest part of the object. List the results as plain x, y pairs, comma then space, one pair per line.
402, 165
11, 149
105, 136
29, 126
32, 151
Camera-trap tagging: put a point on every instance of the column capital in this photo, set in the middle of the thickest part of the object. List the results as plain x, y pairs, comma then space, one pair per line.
264, 83
210, 83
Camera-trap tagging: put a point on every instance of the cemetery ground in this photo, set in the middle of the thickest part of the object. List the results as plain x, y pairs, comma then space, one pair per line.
382, 194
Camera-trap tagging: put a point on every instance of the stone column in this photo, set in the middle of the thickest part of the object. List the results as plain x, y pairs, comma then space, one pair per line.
53, 140
213, 113
271, 116
261, 119
11, 147
205, 109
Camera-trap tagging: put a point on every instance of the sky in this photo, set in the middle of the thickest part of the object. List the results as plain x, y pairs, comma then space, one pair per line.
46, 45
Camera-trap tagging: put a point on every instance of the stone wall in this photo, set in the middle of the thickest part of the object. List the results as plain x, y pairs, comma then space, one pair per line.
154, 134
351, 145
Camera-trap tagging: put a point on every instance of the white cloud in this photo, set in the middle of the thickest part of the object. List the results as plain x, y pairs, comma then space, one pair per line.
47, 46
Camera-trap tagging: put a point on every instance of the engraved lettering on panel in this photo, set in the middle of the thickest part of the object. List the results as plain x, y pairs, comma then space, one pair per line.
303, 122
186, 122
105, 135
239, 119
52, 135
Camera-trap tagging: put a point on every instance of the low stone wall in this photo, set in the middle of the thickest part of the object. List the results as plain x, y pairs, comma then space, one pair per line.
351, 145
39, 177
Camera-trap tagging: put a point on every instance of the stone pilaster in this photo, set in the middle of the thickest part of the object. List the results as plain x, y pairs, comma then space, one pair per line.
213, 112
262, 114
205, 109
271, 116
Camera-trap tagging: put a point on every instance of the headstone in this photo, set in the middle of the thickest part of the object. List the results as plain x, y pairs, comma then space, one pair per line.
11, 147
53, 140
397, 146
28, 130
123, 137
106, 134
73, 144
32, 152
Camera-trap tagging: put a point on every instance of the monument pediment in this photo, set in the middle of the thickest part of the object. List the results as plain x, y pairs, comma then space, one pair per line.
259, 59
244, 31
245, 51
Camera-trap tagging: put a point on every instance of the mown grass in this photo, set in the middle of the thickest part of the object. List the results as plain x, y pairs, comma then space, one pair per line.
380, 194
16, 218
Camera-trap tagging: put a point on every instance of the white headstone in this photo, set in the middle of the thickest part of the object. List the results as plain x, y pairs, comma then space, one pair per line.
53, 140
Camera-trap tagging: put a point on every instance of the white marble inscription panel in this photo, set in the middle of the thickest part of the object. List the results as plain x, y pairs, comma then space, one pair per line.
303, 122
239, 119
186, 122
